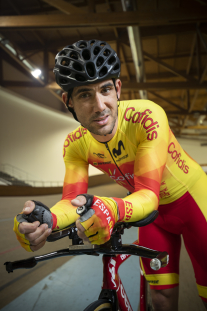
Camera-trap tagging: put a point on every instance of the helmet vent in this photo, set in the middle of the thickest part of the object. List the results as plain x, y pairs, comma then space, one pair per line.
62, 53
64, 71
74, 55
96, 50
103, 72
65, 62
102, 44
82, 45
80, 78
90, 69
69, 47
99, 61
86, 54
77, 66
116, 67
107, 52
111, 60
92, 42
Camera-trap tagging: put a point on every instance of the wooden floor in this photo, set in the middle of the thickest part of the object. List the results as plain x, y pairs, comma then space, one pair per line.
14, 284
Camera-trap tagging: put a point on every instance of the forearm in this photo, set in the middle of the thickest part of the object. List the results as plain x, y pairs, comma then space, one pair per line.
64, 214
137, 205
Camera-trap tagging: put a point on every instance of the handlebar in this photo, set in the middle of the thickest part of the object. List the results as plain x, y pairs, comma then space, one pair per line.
57, 235
113, 247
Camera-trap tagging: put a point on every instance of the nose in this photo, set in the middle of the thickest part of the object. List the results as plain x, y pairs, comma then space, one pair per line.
99, 104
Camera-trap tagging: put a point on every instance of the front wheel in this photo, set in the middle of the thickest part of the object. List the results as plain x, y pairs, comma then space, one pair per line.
99, 305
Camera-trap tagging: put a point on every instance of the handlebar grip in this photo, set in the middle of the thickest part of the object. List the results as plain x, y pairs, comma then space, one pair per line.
40, 213
20, 264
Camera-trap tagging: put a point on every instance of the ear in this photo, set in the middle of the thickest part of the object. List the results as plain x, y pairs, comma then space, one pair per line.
65, 99
118, 87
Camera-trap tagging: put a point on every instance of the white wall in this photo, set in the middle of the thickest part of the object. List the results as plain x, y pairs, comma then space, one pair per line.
194, 149
32, 136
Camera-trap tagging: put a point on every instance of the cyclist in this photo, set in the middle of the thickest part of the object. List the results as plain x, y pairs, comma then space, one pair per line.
132, 143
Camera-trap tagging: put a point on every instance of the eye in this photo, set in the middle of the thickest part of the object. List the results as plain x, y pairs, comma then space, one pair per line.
106, 89
84, 95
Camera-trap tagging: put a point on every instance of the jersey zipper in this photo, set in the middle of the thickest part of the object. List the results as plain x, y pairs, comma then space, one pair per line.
107, 147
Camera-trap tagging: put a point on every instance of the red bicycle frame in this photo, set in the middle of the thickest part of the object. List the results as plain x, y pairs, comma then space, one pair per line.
114, 254
112, 281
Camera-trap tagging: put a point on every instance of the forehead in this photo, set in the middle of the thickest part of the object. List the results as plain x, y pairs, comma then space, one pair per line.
92, 86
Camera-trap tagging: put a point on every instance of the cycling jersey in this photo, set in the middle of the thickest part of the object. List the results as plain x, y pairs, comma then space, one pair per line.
143, 156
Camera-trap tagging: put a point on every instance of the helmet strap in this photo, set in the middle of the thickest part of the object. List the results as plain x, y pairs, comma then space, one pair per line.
69, 108
114, 82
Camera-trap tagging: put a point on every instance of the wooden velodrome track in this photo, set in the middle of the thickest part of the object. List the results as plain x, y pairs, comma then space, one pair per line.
14, 284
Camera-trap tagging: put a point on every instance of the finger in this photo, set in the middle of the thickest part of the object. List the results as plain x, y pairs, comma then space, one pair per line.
91, 232
78, 201
41, 239
82, 236
79, 226
27, 227
37, 247
28, 207
97, 240
40, 231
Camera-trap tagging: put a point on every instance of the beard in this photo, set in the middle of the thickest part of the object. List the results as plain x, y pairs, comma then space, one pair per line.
101, 130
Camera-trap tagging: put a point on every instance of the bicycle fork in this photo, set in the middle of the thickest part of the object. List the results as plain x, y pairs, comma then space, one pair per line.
112, 288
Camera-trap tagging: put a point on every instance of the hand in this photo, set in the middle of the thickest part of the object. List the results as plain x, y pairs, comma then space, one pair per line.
98, 225
32, 236
79, 201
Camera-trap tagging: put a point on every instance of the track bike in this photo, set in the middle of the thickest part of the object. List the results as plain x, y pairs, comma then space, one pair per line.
113, 295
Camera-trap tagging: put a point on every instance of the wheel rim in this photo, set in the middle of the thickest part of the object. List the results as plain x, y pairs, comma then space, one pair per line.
105, 306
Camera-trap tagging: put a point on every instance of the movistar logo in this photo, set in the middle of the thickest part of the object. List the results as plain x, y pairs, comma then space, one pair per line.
117, 152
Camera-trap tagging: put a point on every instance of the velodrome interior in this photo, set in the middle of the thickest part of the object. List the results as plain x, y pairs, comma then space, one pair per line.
171, 52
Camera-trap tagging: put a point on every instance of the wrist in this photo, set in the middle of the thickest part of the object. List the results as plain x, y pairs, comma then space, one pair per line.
120, 208
112, 204
54, 223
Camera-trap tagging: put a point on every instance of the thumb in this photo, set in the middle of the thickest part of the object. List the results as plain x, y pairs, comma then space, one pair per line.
78, 201
28, 207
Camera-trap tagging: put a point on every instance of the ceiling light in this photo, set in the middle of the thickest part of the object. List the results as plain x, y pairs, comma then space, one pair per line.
36, 73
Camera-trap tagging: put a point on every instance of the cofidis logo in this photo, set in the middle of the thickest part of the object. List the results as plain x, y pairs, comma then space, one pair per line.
176, 156
73, 137
143, 118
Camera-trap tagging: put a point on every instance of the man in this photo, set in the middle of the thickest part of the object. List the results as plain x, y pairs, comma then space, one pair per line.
132, 143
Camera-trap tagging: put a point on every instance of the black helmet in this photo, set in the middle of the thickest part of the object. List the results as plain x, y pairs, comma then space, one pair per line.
85, 62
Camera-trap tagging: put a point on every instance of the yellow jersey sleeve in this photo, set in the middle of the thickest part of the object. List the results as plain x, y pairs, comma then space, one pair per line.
75, 182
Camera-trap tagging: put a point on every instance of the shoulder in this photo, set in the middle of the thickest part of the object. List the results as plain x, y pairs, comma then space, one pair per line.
141, 111
130, 107
143, 116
